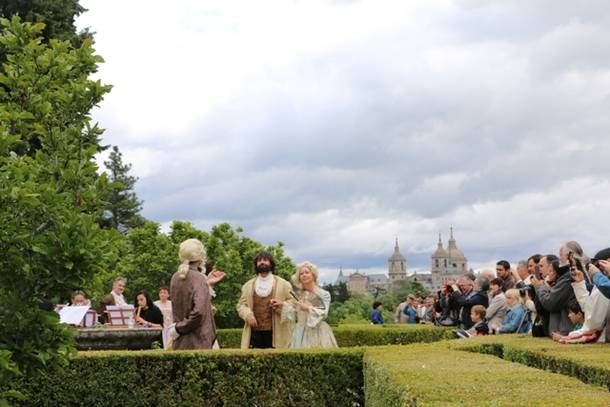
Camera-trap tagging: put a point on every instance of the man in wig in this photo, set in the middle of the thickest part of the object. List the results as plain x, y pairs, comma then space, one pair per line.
193, 326
257, 306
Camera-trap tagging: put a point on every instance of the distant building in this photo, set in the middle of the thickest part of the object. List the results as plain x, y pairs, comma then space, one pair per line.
341, 278
360, 283
446, 264
357, 283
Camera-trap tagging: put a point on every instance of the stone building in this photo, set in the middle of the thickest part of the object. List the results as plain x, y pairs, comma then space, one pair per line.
357, 283
446, 264
360, 283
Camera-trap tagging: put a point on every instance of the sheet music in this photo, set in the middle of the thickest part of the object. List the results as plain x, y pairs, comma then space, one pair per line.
72, 315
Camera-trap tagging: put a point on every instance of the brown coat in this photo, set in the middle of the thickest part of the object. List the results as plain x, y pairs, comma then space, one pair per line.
192, 311
282, 331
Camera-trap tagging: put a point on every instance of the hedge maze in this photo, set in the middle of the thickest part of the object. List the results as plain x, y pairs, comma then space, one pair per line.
375, 366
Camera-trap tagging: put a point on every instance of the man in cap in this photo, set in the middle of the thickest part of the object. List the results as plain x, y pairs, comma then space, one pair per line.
601, 261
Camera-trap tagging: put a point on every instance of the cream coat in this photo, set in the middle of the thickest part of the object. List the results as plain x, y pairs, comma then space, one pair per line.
496, 311
282, 331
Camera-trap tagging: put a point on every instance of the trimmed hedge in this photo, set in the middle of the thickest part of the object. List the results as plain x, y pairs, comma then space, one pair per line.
204, 378
362, 335
459, 372
589, 363
434, 374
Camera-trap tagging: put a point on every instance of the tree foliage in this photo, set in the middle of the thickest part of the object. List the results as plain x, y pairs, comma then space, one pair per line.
338, 292
123, 207
358, 308
49, 200
148, 258
57, 15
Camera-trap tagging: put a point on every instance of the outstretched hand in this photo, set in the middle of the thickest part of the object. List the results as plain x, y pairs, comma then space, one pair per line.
215, 277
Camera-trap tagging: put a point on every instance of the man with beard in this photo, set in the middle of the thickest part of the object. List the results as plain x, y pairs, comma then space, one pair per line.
259, 308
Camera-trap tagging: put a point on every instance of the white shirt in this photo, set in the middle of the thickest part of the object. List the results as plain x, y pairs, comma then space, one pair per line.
118, 298
263, 285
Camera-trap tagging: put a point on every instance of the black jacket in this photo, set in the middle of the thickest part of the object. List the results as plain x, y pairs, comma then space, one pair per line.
464, 302
554, 300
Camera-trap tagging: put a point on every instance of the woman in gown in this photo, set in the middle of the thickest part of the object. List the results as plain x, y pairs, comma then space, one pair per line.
310, 331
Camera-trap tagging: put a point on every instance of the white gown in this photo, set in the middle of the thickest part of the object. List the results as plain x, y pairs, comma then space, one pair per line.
310, 331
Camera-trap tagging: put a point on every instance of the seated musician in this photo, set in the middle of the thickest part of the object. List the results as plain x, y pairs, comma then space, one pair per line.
147, 313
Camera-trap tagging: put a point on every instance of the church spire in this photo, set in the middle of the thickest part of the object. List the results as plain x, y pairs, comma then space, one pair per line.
451, 244
397, 264
440, 242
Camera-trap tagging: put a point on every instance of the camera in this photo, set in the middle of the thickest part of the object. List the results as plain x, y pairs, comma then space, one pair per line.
529, 290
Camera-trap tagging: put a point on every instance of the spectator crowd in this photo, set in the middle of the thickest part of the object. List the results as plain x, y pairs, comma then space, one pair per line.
565, 297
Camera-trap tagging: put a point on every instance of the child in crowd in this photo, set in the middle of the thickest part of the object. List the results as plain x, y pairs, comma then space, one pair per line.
577, 316
477, 314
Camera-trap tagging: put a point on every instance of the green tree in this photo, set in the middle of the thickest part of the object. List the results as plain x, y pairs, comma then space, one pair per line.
338, 292
357, 309
57, 15
148, 258
123, 209
49, 201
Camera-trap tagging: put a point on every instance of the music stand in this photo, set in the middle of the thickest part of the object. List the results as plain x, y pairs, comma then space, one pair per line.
119, 316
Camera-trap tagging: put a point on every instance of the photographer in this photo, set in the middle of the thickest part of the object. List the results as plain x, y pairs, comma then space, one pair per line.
594, 305
444, 305
555, 295
601, 261
465, 298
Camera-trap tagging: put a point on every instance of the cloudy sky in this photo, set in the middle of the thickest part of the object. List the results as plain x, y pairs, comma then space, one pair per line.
335, 126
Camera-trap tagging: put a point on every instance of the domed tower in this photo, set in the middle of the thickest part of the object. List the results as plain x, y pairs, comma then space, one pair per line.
439, 257
397, 265
457, 260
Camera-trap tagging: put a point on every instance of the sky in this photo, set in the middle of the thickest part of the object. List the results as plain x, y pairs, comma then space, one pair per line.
338, 126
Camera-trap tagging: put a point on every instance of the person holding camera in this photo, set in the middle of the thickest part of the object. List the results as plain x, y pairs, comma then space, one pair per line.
444, 305
595, 305
600, 262
464, 297
554, 294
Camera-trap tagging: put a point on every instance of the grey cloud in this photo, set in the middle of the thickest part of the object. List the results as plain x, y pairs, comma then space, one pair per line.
489, 101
